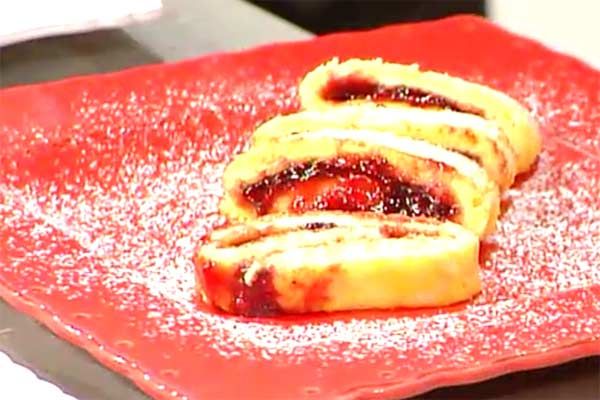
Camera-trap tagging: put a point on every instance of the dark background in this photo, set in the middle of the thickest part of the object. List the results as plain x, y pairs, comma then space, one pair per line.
324, 16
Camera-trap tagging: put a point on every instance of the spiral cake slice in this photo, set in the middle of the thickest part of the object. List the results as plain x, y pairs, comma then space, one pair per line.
374, 81
467, 134
330, 261
357, 170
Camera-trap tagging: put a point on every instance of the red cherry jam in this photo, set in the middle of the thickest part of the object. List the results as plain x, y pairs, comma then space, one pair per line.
317, 226
258, 299
230, 290
346, 184
357, 87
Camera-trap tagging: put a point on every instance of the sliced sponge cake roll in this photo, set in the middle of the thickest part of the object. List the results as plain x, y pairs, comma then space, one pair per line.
359, 170
470, 135
386, 84
331, 261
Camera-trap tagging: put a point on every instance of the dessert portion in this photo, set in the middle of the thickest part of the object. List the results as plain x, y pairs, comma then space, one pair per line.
470, 135
386, 84
357, 170
375, 195
330, 261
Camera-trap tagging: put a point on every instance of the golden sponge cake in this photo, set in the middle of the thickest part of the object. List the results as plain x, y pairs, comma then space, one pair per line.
359, 170
467, 134
329, 261
359, 81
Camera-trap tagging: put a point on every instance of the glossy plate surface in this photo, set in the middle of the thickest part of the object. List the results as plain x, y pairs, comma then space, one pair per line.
107, 183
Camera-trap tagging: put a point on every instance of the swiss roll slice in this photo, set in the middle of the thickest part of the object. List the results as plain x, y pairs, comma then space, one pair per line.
332, 261
358, 81
470, 135
359, 170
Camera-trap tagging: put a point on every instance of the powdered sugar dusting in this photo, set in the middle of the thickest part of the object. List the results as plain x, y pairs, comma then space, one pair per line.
141, 233
568, 112
548, 237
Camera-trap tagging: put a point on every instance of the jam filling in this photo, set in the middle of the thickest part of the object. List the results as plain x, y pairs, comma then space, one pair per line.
256, 300
346, 184
317, 226
357, 87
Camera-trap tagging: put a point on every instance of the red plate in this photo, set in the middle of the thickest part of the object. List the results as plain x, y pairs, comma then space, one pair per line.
107, 182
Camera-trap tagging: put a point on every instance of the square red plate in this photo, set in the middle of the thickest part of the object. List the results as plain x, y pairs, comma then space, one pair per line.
107, 182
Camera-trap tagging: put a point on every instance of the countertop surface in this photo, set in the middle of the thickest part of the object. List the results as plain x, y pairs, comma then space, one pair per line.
190, 28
